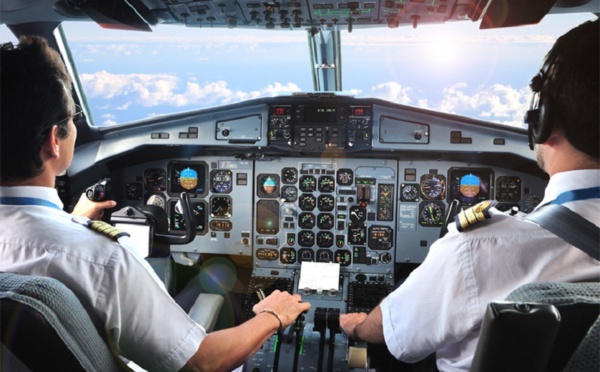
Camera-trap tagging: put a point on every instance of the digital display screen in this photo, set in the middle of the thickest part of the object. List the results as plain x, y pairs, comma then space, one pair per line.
320, 115
280, 110
367, 296
360, 111
187, 176
470, 185
267, 217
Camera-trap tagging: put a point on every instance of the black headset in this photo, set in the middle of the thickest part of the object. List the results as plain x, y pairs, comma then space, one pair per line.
539, 117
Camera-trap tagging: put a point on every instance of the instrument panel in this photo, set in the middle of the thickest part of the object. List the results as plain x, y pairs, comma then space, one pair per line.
359, 212
360, 182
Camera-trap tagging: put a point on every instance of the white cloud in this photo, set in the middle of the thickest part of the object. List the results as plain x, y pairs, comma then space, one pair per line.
150, 90
107, 123
498, 103
393, 92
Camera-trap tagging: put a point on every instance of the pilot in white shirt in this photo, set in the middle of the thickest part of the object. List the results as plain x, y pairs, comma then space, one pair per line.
111, 281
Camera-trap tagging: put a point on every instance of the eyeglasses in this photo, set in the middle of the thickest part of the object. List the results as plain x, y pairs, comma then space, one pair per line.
78, 115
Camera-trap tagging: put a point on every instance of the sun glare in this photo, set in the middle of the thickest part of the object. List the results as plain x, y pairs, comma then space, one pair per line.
442, 49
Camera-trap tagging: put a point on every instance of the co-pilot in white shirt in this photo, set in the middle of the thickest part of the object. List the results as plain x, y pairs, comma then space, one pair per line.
38, 238
440, 307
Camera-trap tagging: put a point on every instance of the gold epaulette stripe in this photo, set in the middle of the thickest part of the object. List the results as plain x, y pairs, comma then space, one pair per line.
107, 229
473, 215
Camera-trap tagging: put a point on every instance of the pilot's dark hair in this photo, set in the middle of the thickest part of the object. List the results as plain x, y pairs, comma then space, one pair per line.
571, 84
35, 96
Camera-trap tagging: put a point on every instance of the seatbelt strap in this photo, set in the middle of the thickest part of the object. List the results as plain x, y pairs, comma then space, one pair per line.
569, 226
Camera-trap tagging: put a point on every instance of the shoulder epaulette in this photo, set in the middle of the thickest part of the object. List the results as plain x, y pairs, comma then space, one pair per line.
107, 229
476, 213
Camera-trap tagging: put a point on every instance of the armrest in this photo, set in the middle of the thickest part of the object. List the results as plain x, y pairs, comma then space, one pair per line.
205, 310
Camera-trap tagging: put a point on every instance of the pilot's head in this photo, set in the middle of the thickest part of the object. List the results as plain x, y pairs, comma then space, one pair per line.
566, 91
36, 100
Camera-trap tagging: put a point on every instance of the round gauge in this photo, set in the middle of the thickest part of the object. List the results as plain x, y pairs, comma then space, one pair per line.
155, 179
326, 203
134, 191
306, 255
289, 175
357, 234
409, 192
433, 186
287, 255
358, 214
324, 239
324, 255
508, 189
220, 206
308, 183
289, 193
343, 257
431, 214
306, 238
326, 184
325, 221
532, 201
384, 213
306, 220
345, 176
221, 181
307, 202
156, 199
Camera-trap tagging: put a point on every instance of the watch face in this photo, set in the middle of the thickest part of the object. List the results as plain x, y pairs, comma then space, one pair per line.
220, 207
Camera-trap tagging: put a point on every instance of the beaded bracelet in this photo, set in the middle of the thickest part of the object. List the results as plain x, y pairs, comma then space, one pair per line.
276, 316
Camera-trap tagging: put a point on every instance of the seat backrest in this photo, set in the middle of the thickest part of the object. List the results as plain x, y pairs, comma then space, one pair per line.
519, 331
45, 327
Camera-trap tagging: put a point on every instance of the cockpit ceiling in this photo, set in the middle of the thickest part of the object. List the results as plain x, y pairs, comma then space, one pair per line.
287, 14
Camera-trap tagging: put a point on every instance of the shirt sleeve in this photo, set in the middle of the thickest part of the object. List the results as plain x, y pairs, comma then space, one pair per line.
436, 305
143, 321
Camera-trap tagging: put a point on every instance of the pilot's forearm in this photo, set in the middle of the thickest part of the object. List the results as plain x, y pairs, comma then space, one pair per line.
371, 330
226, 349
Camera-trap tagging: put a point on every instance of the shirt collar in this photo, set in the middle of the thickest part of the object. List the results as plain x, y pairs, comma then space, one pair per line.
45, 193
571, 180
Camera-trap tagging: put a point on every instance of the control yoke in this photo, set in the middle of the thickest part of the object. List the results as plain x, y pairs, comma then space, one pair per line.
190, 225
158, 219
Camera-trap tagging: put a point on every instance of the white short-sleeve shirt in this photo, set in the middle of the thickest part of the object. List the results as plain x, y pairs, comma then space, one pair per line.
38, 238
440, 307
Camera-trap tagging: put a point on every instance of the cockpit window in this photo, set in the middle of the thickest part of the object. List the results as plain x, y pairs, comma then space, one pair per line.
456, 68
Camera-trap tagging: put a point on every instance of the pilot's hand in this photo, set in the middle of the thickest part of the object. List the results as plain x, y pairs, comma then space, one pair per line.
90, 209
286, 305
348, 322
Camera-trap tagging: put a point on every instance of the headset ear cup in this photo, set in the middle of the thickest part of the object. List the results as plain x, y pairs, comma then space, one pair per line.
543, 127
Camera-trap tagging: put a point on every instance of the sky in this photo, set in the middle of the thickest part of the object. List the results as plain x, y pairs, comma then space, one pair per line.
454, 67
